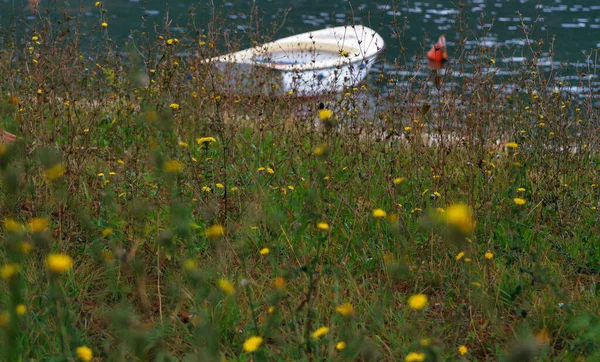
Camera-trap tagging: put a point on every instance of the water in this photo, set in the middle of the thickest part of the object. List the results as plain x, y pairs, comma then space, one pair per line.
407, 27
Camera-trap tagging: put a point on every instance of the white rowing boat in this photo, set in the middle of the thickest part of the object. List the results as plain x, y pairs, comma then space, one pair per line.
327, 60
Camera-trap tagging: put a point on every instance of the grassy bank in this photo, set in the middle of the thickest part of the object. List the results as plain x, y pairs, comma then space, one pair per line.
147, 217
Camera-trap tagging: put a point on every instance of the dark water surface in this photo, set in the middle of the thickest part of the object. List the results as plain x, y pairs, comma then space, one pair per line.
504, 26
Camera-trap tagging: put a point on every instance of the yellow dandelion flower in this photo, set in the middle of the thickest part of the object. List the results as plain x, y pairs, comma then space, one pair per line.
173, 166
12, 225
183, 144
104, 25
107, 232
189, 264
226, 286
325, 114
489, 255
174, 106
512, 145
417, 301
279, 282
98, 4
461, 217
521, 189
205, 141
20, 310
345, 309
38, 224
9, 270
379, 214
25, 247
323, 226
320, 332
4, 319
415, 357
460, 255
252, 344
519, 201
340, 345
84, 353
462, 350
399, 180
264, 251
59, 263
270, 170
476, 284
219, 186
215, 231
271, 310
55, 172
206, 189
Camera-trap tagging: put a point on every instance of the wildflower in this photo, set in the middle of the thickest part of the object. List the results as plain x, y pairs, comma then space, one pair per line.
340, 345
59, 263
219, 186
279, 283
460, 216
320, 150
183, 144
476, 284
291, 188
234, 189
325, 114
226, 286
512, 145
173, 166
264, 251
252, 344
20, 310
521, 189
55, 172
84, 353
11, 225
206, 189
379, 214
189, 264
9, 270
170, 42
25, 247
417, 301
492, 61
104, 25
408, 128
271, 310
345, 309
415, 357
519, 201
215, 231
205, 141
323, 226
38, 224
489, 255
462, 350
320, 332
399, 180
4, 319
101, 174
425, 342
174, 106
98, 4
270, 170
460, 255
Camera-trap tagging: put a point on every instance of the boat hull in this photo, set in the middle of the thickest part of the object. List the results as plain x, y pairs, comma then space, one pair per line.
310, 64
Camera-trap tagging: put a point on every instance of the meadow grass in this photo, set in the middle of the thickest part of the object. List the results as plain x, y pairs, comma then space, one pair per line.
146, 217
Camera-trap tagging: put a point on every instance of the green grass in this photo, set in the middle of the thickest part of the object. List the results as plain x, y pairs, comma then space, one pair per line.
144, 284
